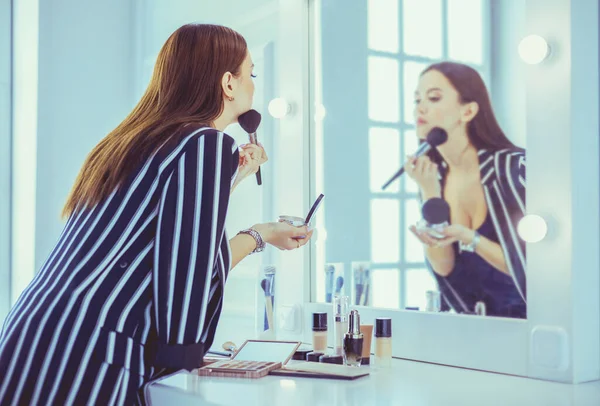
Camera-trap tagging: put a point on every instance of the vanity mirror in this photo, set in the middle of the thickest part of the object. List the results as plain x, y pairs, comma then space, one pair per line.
385, 85
377, 90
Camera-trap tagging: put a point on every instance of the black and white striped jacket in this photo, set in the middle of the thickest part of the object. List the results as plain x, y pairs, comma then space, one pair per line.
133, 287
503, 175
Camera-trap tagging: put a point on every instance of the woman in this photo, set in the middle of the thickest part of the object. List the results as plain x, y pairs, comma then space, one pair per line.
134, 287
481, 175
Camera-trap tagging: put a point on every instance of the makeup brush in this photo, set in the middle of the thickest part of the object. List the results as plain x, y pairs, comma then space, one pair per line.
339, 282
268, 303
249, 121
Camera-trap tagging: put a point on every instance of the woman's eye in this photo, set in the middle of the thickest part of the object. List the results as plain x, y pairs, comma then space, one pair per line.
434, 99
252, 75
417, 101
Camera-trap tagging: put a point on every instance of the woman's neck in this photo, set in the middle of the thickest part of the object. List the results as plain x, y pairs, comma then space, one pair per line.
221, 122
460, 155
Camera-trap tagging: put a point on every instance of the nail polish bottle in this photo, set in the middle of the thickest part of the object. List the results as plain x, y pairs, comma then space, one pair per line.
353, 341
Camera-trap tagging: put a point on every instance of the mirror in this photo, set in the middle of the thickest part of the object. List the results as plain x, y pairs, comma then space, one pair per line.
375, 102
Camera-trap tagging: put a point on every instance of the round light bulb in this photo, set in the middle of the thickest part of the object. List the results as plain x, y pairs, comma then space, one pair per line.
532, 228
279, 107
533, 49
320, 112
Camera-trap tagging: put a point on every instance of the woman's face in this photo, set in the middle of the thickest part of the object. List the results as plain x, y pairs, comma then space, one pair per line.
437, 104
243, 87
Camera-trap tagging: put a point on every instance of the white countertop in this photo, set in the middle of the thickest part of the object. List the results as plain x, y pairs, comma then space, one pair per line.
406, 383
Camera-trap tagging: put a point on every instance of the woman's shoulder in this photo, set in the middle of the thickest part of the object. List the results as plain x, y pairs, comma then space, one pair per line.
510, 164
188, 137
192, 133
187, 141
509, 154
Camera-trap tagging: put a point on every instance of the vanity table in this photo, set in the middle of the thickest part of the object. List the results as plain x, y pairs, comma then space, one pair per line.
405, 383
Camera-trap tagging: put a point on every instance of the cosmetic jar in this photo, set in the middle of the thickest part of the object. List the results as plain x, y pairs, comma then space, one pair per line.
314, 356
332, 359
292, 220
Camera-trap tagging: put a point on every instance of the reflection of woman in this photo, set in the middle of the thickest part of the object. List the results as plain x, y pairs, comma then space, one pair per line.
134, 287
481, 174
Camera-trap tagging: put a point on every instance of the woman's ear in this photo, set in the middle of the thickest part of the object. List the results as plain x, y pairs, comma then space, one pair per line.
227, 85
469, 111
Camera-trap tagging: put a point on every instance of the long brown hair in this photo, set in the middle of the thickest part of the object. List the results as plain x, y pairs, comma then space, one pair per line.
483, 130
185, 88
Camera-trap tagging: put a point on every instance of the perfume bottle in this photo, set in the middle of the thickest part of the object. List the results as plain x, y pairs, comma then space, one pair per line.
353, 341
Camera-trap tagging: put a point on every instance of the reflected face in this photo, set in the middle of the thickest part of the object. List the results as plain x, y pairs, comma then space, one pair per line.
437, 104
244, 86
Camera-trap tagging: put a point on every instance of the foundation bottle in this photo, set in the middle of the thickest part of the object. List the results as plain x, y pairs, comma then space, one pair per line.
383, 342
319, 336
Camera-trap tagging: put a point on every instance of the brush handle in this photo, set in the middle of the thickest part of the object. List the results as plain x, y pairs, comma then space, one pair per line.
269, 309
258, 177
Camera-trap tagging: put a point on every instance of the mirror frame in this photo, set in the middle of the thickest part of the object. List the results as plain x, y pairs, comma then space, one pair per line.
560, 340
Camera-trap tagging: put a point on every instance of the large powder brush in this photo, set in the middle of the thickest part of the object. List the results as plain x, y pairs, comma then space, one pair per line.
249, 121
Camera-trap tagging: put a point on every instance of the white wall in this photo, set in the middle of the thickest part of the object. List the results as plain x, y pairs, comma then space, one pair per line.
24, 143
5, 124
508, 86
73, 84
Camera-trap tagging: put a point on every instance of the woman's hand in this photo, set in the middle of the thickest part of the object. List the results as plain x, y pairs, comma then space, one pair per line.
452, 233
251, 158
284, 236
457, 232
424, 236
423, 171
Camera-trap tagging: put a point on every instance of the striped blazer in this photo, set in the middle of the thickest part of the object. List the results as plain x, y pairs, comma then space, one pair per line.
133, 287
503, 179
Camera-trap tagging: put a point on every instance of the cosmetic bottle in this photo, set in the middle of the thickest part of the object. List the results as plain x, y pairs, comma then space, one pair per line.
433, 301
367, 330
353, 341
340, 316
480, 308
383, 342
319, 337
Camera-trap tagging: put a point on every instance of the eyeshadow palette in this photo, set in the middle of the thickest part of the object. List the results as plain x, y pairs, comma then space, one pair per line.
239, 369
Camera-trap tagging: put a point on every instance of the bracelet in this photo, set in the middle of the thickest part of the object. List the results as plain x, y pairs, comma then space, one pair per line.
260, 244
472, 245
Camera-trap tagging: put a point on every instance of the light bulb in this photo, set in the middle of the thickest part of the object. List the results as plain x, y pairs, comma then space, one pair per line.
533, 49
279, 107
320, 112
532, 228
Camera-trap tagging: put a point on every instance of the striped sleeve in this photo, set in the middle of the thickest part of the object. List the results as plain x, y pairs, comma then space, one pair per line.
191, 224
512, 202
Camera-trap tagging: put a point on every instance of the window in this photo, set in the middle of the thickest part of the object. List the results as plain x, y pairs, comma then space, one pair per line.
405, 36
